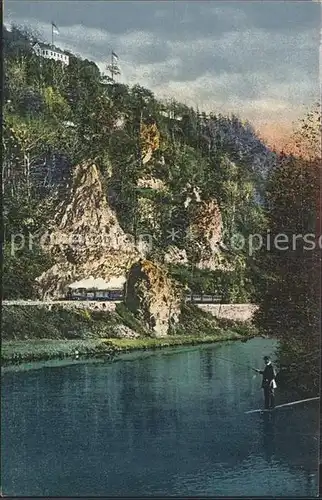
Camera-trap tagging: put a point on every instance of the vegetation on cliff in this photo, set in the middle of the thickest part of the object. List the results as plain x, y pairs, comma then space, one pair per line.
289, 274
40, 333
56, 118
159, 163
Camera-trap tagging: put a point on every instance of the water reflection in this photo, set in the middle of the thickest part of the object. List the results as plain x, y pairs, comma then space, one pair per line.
268, 424
161, 424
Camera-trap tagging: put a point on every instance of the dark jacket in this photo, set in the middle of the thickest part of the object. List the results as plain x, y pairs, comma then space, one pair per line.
268, 375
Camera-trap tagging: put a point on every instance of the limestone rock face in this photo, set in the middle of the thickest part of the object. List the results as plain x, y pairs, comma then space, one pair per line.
192, 193
151, 182
153, 297
85, 238
150, 216
175, 255
124, 332
206, 233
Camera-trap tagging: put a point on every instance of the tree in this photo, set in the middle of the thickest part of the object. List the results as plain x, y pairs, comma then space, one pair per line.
306, 139
290, 292
20, 271
75, 112
56, 106
25, 143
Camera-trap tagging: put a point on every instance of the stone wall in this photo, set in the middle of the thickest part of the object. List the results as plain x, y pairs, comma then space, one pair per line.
72, 304
238, 312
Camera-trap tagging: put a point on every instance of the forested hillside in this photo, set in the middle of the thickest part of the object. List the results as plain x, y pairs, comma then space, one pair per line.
82, 153
163, 168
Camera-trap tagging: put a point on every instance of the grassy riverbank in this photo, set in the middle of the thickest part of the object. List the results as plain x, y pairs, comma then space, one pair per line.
43, 349
36, 334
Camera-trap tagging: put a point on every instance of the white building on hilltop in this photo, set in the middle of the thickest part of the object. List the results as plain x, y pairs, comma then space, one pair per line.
50, 52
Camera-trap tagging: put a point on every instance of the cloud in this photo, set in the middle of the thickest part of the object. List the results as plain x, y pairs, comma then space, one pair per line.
225, 13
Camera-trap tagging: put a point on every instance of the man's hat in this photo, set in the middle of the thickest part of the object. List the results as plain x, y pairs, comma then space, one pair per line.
266, 357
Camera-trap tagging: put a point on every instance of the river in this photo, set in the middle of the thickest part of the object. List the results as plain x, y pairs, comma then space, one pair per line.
171, 422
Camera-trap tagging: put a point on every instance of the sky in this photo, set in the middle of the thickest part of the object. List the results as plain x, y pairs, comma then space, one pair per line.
257, 59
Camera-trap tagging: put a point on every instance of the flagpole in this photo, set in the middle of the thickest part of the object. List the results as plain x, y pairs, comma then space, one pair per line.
112, 67
52, 34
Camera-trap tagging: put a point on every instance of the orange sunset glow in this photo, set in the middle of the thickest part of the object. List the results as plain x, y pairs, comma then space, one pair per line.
276, 135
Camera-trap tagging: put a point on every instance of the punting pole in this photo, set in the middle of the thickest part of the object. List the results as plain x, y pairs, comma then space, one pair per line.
285, 404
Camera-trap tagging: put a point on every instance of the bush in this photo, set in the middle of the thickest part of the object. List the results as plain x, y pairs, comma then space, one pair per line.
128, 319
29, 322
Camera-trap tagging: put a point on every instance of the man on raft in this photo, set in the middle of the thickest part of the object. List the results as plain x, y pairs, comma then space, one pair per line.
268, 383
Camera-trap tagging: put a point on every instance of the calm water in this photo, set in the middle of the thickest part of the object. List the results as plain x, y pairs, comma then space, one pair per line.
166, 423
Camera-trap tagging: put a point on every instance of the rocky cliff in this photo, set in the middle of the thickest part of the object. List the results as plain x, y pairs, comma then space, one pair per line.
205, 233
153, 297
85, 237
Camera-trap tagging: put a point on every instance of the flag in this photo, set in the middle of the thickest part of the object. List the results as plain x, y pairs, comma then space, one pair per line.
55, 29
115, 57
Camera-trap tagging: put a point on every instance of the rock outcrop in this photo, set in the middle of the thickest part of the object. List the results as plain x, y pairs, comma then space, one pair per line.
85, 238
151, 182
124, 332
205, 232
192, 193
175, 255
150, 216
153, 297
149, 140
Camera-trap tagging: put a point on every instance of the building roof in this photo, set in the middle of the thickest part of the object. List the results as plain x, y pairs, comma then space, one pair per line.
45, 46
98, 283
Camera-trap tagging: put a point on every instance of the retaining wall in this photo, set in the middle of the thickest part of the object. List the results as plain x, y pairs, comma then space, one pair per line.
239, 312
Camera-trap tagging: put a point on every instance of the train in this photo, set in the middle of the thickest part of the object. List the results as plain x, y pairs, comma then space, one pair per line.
118, 295
100, 295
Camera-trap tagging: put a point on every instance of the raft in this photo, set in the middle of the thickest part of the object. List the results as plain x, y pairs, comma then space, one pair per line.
282, 406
